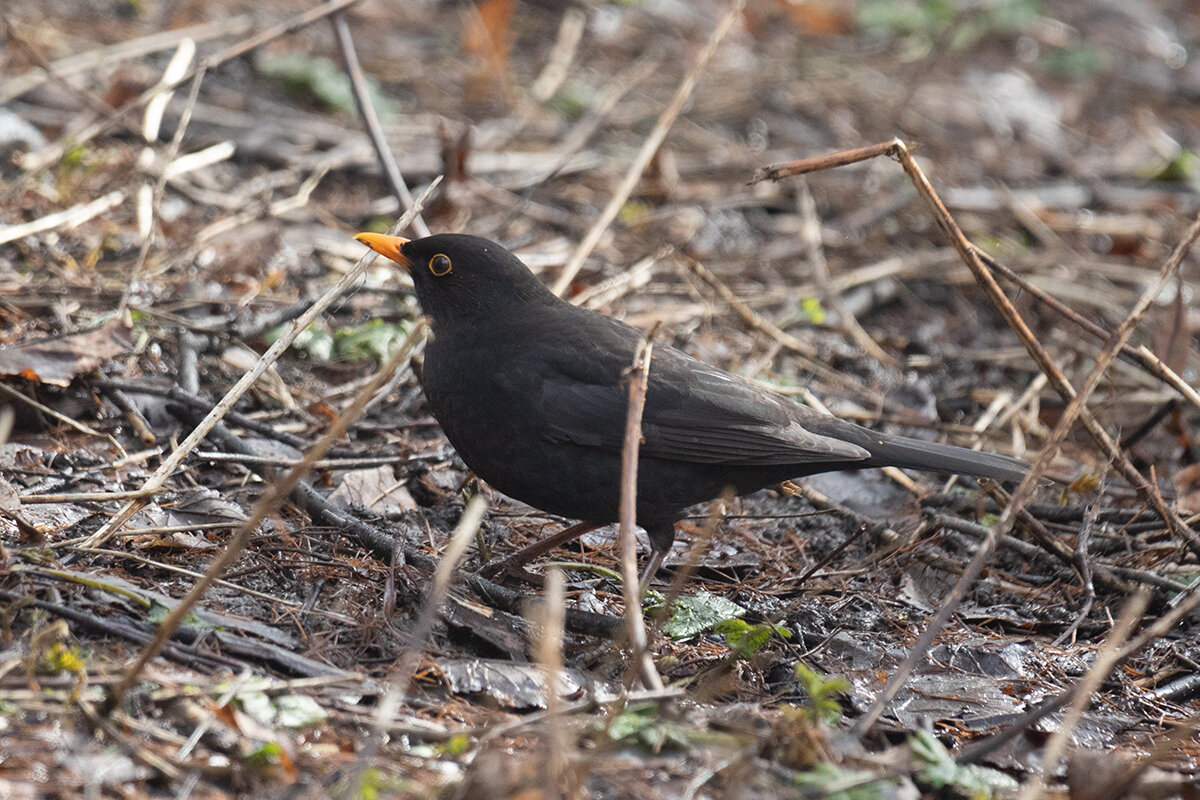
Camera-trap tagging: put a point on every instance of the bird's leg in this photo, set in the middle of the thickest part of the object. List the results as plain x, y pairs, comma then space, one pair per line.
652, 564
527, 554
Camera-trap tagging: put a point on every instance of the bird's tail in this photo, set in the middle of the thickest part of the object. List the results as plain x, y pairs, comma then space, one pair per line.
901, 451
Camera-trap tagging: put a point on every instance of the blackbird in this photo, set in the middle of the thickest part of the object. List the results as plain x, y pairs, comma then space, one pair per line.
529, 390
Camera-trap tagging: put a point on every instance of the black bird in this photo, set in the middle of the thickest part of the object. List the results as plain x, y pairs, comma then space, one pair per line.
529, 390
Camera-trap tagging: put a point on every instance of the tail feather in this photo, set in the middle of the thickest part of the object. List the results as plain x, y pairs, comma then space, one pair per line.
901, 451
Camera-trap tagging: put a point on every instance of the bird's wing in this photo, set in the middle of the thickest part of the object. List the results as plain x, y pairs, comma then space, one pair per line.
693, 412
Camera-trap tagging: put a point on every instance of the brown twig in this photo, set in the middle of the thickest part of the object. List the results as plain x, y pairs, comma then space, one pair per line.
160, 184
550, 656
810, 233
68, 218
79, 63
401, 678
803, 166
696, 551
63, 418
1163, 747
806, 355
635, 623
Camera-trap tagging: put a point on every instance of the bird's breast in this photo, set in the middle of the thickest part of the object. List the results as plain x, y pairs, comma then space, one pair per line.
471, 391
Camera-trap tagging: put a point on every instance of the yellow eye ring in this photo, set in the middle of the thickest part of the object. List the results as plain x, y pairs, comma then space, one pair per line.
440, 264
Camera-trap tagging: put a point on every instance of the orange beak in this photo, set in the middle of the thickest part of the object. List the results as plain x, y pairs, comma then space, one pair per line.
386, 246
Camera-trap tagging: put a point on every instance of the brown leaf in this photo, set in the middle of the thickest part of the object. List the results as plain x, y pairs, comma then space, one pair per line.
487, 35
488, 32
376, 488
806, 17
57, 361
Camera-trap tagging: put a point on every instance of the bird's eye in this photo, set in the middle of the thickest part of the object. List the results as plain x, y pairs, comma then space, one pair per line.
439, 265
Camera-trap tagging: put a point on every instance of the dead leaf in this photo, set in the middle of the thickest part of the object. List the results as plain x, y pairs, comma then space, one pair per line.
807, 17
376, 489
9, 499
488, 32
57, 361
487, 35
509, 685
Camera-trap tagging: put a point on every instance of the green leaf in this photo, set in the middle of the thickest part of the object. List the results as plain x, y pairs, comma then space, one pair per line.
831, 783
265, 755
812, 310
641, 725
1183, 167
957, 25
745, 639
375, 339
72, 158
317, 80
315, 340
697, 613
456, 745
823, 692
571, 101
940, 769
283, 711
1081, 60
257, 705
297, 711
631, 721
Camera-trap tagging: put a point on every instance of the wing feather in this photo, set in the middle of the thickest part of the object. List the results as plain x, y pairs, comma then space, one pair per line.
693, 413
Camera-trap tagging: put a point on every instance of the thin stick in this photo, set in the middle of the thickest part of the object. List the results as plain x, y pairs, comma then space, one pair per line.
1076, 408
973, 258
558, 63
1156, 630
806, 355
606, 99
696, 551
88, 497
63, 418
271, 500
68, 218
235, 393
649, 148
635, 624
366, 111
160, 185
550, 656
803, 166
342, 618
1157, 753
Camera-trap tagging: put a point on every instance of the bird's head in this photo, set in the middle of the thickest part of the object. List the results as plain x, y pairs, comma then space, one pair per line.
460, 278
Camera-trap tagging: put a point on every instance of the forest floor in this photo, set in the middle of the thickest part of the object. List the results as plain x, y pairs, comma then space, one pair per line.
855, 635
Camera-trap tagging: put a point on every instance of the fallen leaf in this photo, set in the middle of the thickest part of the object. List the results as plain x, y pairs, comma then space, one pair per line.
59, 360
